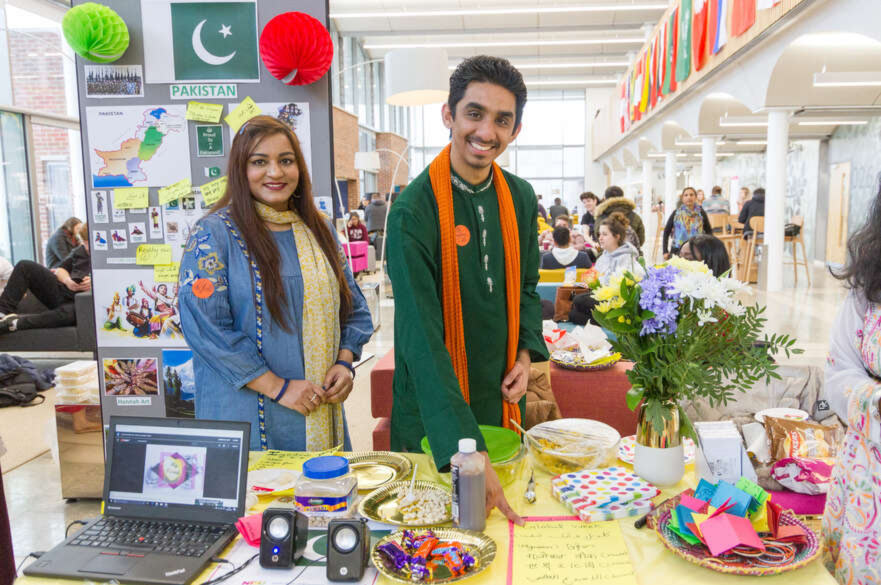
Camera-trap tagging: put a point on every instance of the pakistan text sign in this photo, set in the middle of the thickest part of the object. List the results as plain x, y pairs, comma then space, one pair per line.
188, 91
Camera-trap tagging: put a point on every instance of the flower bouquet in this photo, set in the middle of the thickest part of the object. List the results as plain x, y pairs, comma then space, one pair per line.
689, 337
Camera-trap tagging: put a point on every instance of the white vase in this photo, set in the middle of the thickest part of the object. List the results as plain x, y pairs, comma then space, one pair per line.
662, 467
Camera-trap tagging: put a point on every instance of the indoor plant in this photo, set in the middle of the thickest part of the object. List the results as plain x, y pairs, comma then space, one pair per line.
689, 337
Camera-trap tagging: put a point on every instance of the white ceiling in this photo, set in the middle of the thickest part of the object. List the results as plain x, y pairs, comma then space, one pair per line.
525, 36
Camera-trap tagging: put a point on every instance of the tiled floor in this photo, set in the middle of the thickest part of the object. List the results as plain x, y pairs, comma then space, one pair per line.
33, 491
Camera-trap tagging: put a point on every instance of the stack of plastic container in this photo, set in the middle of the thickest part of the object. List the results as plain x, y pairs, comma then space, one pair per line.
77, 383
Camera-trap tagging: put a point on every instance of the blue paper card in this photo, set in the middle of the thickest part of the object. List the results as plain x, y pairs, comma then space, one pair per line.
683, 515
724, 492
704, 491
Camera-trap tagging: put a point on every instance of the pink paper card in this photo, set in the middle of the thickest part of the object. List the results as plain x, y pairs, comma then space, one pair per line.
789, 533
693, 504
726, 531
696, 531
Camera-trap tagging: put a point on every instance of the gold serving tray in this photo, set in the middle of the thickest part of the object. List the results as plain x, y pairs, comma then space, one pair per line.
381, 505
375, 469
479, 545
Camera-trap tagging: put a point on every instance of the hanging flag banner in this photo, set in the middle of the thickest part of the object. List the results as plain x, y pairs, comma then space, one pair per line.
766, 4
683, 55
200, 41
699, 34
622, 108
717, 25
743, 16
672, 41
646, 81
653, 100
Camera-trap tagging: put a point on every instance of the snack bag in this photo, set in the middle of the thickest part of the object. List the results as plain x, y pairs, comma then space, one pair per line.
801, 439
803, 476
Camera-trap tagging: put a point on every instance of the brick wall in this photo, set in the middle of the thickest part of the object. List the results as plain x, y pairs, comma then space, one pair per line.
38, 84
388, 161
345, 144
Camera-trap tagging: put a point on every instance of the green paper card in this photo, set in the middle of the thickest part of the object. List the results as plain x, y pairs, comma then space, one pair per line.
209, 140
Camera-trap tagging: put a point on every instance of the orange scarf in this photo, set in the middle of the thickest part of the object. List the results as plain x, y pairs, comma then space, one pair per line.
454, 328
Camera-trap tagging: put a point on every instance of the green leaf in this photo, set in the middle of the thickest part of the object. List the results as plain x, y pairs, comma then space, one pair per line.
634, 395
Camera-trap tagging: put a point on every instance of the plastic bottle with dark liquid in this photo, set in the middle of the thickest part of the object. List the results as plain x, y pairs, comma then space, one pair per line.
468, 472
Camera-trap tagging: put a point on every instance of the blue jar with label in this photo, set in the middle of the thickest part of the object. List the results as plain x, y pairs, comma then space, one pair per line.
326, 487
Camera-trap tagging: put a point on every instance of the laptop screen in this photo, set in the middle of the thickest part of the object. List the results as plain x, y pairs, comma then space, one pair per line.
187, 471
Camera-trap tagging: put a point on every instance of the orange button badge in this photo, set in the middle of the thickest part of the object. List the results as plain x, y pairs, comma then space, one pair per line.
203, 288
463, 235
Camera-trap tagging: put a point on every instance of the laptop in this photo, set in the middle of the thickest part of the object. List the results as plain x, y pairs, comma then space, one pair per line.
173, 490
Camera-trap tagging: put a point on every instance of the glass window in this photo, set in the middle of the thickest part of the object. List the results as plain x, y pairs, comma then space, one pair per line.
436, 134
540, 162
548, 188
16, 229
573, 161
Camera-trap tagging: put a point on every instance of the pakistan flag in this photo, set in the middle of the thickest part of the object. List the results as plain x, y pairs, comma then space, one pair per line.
200, 41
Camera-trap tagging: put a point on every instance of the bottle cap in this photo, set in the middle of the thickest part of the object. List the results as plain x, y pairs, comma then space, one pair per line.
467, 445
326, 467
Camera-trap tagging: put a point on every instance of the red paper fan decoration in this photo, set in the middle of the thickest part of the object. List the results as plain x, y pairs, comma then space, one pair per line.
296, 48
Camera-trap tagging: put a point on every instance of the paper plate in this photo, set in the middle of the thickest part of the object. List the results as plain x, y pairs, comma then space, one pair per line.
268, 481
479, 545
788, 413
627, 449
572, 360
375, 469
382, 504
733, 564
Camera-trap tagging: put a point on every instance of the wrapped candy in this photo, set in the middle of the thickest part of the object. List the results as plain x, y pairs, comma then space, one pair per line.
393, 555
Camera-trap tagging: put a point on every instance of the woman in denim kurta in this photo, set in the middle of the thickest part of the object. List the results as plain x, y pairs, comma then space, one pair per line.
241, 352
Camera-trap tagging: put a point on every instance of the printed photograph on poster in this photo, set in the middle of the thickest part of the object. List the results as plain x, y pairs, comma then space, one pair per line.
176, 471
188, 203
118, 215
114, 81
134, 311
209, 140
179, 383
99, 240
120, 240
200, 41
155, 223
138, 146
100, 205
131, 377
137, 233
295, 115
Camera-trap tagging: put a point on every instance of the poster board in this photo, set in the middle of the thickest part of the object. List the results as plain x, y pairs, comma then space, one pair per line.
137, 139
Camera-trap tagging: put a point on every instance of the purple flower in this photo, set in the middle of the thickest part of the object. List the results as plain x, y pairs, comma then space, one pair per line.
659, 297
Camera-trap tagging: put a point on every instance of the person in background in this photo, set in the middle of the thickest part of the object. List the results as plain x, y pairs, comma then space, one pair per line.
365, 201
356, 230
614, 201
700, 197
55, 290
708, 249
564, 255
374, 216
755, 207
268, 303
687, 221
851, 521
541, 209
558, 209
546, 238
590, 202
62, 242
744, 196
716, 203
618, 254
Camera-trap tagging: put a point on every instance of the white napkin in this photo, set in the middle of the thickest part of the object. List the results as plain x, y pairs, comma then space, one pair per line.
592, 342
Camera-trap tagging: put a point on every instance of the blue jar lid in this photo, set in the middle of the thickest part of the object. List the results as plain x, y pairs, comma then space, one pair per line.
326, 467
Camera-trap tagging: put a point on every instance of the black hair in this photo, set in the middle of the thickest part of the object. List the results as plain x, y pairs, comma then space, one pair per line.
589, 195
759, 194
562, 236
486, 69
712, 252
614, 191
863, 268
557, 200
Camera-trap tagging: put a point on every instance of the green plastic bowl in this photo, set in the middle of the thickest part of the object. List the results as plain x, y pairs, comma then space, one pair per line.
506, 453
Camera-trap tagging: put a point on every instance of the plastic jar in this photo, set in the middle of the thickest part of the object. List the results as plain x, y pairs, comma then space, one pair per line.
326, 487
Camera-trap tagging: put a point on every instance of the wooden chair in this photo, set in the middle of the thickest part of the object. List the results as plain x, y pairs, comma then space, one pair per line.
757, 225
719, 222
736, 226
798, 239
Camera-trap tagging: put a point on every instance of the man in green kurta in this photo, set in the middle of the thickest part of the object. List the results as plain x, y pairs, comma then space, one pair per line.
483, 113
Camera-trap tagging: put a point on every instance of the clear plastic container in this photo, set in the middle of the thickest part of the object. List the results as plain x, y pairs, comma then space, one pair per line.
326, 487
76, 373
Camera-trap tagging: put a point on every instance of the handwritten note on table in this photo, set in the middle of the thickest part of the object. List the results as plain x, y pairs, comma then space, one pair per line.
204, 112
566, 551
153, 254
289, 459
243, 112
182, 188
213, 191
131, 198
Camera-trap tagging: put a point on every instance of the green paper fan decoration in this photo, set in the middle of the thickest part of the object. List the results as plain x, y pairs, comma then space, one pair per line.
95, 32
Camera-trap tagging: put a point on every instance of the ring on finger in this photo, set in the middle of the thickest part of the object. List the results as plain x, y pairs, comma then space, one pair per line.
314, 396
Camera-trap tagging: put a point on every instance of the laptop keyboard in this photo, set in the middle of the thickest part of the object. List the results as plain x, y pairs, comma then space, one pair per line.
175, 538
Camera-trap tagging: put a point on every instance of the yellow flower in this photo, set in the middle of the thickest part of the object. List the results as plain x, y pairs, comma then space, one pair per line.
604, 307
604, 293
621, 319
616, 303
688, 265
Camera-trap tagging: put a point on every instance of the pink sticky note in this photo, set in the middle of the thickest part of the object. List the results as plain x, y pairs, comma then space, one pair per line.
693, 504
250, 528
725, 531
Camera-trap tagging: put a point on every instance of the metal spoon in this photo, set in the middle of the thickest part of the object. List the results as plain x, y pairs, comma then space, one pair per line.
530, 488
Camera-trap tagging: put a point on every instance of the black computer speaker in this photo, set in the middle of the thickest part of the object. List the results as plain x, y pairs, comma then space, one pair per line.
348, 544
283, 537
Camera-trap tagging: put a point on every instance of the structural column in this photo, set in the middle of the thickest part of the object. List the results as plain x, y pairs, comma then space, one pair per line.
669, 183
775, 195
708, 164
647, 215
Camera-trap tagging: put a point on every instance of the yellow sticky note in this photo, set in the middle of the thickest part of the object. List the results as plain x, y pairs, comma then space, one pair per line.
204, 112
244, 112
166, 272
273, 459
570, 551
182, 188
213, 191
153, 254
131, 198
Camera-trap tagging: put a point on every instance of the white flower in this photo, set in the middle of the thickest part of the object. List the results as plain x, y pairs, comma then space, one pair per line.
705, 316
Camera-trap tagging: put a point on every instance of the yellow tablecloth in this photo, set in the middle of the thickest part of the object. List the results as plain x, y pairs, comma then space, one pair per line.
653, 563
